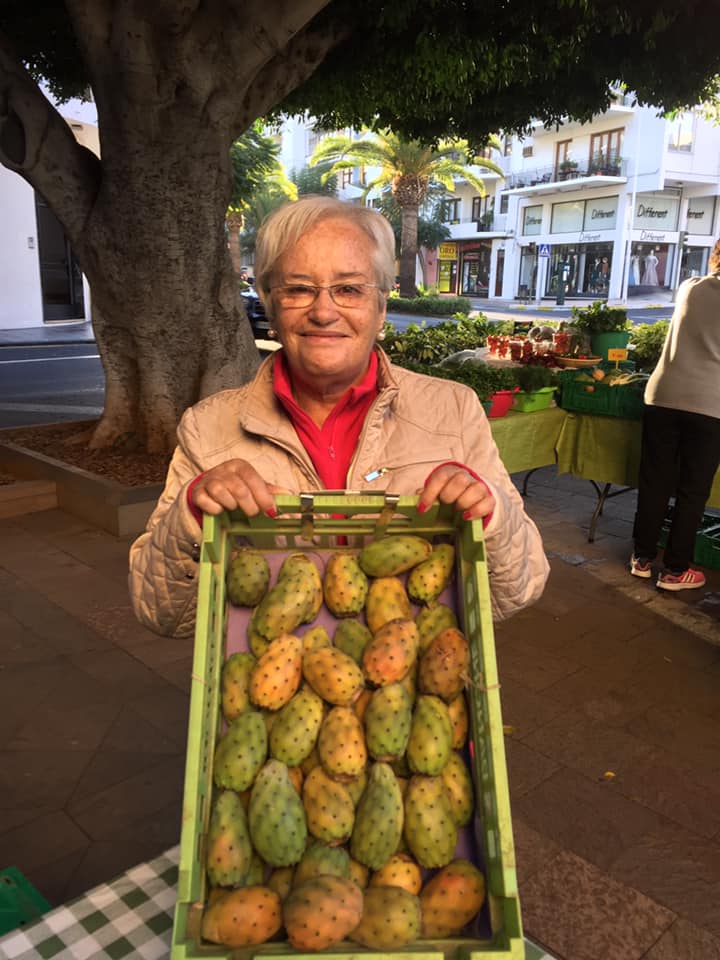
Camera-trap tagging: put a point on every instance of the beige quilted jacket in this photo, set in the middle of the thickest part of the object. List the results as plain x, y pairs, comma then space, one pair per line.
415, 424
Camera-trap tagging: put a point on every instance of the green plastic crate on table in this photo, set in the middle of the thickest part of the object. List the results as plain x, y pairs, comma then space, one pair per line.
621, 401
310, 522
20, 902
707, 540
535, 400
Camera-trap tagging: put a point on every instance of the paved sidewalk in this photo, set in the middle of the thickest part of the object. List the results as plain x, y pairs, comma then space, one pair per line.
611, 697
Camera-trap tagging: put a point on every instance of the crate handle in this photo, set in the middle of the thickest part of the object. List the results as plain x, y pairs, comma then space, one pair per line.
307, 509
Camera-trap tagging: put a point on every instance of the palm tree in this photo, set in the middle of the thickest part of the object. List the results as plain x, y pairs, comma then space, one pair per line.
407, 167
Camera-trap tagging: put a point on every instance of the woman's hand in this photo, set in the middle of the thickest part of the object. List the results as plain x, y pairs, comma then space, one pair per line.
452, 484
234, 485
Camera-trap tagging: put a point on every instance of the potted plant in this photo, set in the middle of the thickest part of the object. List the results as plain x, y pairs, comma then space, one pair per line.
495, 385
607, 327
567, 169
537, 386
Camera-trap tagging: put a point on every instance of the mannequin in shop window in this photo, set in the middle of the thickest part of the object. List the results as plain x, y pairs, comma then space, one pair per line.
634, 279
650, 277
595, 276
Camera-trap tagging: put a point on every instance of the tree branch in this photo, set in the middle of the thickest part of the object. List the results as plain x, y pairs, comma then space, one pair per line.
38, 144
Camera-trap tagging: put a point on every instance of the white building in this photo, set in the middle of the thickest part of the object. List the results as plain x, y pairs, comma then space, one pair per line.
620, 206
40, 281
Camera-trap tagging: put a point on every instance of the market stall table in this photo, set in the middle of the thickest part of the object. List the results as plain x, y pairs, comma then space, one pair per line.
128, 919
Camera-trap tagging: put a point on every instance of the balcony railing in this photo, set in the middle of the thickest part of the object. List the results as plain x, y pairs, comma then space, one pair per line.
567, 170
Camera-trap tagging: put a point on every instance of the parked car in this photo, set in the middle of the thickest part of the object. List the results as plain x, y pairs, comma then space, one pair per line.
259, 323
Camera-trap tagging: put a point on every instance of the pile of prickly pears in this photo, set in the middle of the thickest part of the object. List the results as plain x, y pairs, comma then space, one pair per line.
340, 779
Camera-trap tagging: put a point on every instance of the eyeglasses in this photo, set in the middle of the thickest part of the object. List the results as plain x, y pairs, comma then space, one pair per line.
298, 295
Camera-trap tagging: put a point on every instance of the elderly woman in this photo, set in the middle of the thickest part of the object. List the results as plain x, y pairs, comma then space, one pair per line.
329, 411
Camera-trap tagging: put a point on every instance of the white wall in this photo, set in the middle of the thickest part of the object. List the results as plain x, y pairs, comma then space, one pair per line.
20, 298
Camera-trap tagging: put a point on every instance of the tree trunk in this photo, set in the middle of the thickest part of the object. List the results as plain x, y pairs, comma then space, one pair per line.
408, 249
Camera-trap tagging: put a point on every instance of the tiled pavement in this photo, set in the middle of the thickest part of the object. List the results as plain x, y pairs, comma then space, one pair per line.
611, 696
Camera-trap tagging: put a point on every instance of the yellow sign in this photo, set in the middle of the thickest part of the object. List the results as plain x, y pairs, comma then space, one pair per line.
616, 353
447, 251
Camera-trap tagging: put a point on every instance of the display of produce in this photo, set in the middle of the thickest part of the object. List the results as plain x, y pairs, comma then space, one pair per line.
342, 785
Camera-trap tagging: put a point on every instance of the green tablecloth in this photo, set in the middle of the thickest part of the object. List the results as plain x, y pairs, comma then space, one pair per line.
599, 448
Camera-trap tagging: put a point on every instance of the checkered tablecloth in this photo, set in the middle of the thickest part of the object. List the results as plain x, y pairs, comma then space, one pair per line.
129, 919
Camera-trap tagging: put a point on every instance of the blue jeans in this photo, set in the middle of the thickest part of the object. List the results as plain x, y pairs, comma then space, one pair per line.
679, 457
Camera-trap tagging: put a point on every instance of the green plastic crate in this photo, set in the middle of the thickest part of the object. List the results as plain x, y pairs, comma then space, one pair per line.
707, 540
307, 523
20, 902
535, 400
622, 401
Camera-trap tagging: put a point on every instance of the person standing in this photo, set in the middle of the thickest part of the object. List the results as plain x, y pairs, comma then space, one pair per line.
681, 433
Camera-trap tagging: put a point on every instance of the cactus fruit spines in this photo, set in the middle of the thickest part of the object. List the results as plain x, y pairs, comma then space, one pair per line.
229, 851
390, 918
458, 781
345, 585
285, 606
333, 675
444, 666
235, 685
277, 674
428, 579
341, 744
391, 653
433, 620
276, 817
378, 818
430, 742
302, 566
329, 807
243, 918
387, 722
247, 577
430, 829
391, 555
451, 899
295, 727
387, 599
240, 752
399, 871
321, 912
352, 637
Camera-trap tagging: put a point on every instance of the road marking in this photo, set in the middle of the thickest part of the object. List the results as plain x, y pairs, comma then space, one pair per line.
42, 407
88, 356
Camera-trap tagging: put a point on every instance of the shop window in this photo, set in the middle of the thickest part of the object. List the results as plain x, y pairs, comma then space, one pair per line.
681, 132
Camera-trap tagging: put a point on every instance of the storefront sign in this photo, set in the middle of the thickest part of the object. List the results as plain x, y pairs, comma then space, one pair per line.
447, 251
589, 237
532, 220
700, 215
652, 236
601, 214
656, 210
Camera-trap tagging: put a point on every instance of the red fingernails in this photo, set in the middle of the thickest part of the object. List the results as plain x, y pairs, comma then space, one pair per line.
467, 515
422, 507
271, 512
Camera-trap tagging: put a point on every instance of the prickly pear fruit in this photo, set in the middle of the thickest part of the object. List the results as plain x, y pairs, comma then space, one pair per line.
409, 682
256, 873
451, 899
360, 705
390, 918
387, 722
316, 637
345, 585
235, 685
276, 817
460, 720
277, 674
355, 786
300, 565
295, 727
333, 675
341, 744
321, 860
391, 653
394, 554
352, 637
458, 781
428, 579
387, 599
321, 912
229, 850
243, 918
240, 752
359, 873
247, 578
256, 641
430, 829
430, 742
399, 871
444, 667
431, 621
285, 606
280, 880
329, 807
378, 819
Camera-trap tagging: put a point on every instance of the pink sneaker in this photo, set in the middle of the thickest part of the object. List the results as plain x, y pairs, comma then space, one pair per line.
640, 567
689, 580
